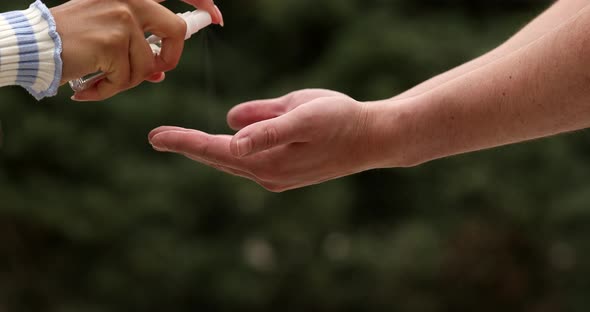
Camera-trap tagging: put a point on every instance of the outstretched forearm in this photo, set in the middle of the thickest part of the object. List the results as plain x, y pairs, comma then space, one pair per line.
556, 15
540, 90
537, 85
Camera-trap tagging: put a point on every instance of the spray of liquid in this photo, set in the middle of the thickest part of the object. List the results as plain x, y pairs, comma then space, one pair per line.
209, 81
211, 44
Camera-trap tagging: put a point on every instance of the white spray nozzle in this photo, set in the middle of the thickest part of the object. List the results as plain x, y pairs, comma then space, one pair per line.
195, 21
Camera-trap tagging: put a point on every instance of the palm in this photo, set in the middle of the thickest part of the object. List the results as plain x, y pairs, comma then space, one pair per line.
304, 138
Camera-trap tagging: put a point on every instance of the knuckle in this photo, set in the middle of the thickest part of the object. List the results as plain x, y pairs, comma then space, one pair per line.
308, 117
179, 28
177, 32
362, 119
292, 98
122, 13
116, 41
194, 149
308, 121
123, 20
271, 137
361, 127
204, 149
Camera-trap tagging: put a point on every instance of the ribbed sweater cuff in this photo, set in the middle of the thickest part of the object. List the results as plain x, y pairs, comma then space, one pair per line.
30, 51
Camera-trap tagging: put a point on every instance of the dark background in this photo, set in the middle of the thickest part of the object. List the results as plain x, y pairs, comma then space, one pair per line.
92, 219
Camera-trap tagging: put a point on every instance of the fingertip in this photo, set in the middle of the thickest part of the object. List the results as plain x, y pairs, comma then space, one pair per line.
232, 117
155, 132
168, 141
162, 129
232, 120
218, 17
210, 7
177, 141
156, 77
85, 96
77, 98
158, 142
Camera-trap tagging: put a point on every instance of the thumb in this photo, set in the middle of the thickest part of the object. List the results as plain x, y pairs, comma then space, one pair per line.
268, 134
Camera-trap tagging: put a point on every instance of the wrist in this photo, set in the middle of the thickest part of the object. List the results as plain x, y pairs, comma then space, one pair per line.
384, 133
397, 132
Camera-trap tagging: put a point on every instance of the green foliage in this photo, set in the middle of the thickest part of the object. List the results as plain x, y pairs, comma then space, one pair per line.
92, 219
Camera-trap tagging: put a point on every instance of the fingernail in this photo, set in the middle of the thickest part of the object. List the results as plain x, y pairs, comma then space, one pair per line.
156, 77
81, 97
244, 146
219, 15
77, 99
158, 146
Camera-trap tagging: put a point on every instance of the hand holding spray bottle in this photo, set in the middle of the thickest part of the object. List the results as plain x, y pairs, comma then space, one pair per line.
195, 21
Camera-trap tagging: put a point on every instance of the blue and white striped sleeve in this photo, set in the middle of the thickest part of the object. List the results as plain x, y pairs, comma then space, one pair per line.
30, 51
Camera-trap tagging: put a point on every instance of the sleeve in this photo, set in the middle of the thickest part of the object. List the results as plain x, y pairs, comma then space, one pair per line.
30, 51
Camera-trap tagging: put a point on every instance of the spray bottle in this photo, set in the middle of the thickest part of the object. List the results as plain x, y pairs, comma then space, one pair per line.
195, 21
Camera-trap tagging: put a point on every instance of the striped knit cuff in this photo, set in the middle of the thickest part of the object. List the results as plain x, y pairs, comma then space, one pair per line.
30, 51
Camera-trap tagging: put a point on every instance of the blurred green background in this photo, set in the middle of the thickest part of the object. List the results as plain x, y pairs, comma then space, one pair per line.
92, 219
